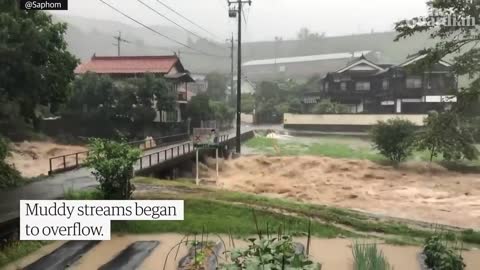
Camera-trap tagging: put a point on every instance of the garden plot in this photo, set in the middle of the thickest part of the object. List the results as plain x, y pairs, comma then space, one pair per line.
333, 254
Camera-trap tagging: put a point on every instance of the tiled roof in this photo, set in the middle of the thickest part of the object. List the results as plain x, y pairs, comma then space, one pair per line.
128, 64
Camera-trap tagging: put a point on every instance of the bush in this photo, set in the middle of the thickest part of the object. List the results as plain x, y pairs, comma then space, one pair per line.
394, 138
113, 164
270, 253
9, 176
439, 256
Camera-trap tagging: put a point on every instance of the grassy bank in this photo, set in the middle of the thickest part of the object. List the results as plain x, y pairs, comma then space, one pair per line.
17, 250
216, 217
338, 147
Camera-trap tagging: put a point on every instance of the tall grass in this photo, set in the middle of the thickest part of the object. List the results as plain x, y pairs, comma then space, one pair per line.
369, 257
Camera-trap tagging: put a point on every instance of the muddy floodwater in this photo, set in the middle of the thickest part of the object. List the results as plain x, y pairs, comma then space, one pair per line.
416, 191
333, 254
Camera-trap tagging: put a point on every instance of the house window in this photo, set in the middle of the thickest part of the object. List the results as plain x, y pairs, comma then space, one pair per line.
385, 84
327, 86
343, 86
362, 86
414, 82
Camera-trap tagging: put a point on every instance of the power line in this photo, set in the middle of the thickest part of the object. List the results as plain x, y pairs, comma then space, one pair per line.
177, 24
170, 20
156, 32
185, 18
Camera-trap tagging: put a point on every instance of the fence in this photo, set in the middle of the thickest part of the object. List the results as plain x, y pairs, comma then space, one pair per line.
75, 160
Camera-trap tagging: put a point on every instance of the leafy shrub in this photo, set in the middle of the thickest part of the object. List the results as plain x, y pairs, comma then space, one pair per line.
439, 256
270, 253
394, 138
327, 106
3, 149
9, 176
368, 257
445, 134
113, 164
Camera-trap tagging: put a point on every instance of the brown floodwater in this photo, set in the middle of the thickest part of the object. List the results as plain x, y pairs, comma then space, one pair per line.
333, 254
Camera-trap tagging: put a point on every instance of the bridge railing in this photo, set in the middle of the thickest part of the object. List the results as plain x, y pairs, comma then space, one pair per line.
72, 161
153, 159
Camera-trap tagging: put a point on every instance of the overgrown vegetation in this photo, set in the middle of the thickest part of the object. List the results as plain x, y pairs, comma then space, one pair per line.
394, 138
113, 167
274, 253
440, 255
369, 257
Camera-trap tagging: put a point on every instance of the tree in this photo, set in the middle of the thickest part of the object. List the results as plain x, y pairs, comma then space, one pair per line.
217, 86
394, 138
198, 109
456, 41
305, 34
36, 68
92, 92
248, 103
443, 134
221, 112
113, 167
152, 88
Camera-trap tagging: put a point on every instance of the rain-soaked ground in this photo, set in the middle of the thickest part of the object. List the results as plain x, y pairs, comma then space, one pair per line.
150, 252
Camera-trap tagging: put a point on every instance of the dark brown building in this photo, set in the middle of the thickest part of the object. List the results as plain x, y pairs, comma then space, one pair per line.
367, 87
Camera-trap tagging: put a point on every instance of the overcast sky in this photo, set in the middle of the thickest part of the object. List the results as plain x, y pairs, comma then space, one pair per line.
265, 18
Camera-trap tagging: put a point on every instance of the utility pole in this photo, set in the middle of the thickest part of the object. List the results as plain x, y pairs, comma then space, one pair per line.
233, 13
232, 83
119, 40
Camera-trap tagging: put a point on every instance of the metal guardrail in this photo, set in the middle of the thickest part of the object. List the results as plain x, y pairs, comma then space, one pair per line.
74, 160
170, 153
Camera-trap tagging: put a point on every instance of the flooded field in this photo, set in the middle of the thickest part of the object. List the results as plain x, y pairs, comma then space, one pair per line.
333, 254
416, 191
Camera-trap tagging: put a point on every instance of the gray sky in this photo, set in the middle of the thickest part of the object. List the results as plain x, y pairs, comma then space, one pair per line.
266, 18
